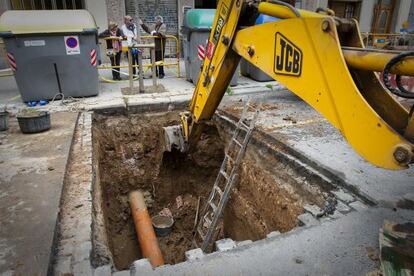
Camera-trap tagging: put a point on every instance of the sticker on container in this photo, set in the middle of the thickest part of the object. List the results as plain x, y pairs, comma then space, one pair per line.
12, 61
201, 52
34, 43
93, 58
72, 45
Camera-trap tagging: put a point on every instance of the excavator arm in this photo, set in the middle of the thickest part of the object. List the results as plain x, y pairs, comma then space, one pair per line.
318, 57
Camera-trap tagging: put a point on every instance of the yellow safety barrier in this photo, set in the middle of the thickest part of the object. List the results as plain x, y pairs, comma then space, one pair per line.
389, 41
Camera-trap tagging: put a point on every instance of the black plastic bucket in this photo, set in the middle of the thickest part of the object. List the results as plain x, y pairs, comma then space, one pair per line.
162, 225
4, 120
34, 122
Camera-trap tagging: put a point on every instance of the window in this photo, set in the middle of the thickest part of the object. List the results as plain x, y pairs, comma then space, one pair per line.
298, 4
46, 4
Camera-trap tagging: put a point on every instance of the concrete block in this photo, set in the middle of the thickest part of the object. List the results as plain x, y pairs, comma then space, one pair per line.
123, 273
313, 209
82, 251
342, 207
63, 266
273, 234
345, 197
83, 268
357, 205
307, 219
246, 242
225, 244
104, 270
194, 254
140, 267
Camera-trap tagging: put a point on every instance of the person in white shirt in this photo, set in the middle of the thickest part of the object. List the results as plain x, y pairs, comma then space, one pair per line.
131, 31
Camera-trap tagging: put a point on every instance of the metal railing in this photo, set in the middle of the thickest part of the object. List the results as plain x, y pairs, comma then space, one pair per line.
389, 41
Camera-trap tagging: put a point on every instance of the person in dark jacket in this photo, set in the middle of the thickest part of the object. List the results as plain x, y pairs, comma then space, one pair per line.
114, 47
159, 29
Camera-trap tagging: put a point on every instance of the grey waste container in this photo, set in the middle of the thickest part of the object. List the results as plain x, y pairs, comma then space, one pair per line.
196, 29
50, 52
249, 70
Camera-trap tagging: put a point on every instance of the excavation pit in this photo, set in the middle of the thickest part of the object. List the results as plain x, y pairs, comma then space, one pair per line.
128, 155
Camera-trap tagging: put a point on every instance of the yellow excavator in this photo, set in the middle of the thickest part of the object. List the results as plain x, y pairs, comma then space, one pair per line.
319, 57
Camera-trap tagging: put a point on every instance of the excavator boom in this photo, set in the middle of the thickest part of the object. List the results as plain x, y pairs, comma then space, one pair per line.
318, 57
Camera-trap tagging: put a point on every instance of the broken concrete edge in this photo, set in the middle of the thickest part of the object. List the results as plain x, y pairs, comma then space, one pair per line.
302, 162
53, 250
101, 254
76, 258
143, 107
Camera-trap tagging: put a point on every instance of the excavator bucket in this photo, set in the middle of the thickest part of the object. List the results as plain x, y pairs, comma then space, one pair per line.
173, 138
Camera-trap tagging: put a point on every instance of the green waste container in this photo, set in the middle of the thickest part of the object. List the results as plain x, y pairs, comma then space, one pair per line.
51, 52
196, 29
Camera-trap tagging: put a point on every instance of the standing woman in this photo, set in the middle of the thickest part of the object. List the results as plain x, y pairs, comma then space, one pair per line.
114, 47
159, 29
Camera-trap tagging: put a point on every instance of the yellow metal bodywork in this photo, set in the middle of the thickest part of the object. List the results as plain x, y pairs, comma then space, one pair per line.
375, 60
304, 54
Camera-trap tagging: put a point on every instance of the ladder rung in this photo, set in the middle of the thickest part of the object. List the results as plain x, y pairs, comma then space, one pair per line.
201, 233
213, 206
229, 158
237, 142
207, 220
244, 126
218, 190
223, 173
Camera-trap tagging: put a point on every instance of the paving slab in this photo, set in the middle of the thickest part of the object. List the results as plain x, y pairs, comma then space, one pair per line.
32, 169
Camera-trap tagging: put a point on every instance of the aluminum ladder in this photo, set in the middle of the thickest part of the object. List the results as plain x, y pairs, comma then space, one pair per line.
206, 229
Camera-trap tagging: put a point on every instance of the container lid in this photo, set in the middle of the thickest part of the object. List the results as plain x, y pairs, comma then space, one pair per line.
199, 19
46, 21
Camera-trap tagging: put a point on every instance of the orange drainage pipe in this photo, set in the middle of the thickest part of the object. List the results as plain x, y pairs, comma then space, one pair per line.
145, 231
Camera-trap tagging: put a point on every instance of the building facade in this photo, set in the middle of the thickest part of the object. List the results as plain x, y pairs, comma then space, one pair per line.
378, 16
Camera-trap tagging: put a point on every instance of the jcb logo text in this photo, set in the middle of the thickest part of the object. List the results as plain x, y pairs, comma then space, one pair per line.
288, 57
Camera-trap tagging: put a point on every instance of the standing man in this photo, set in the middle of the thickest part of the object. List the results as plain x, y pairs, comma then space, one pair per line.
131, 32
159, 30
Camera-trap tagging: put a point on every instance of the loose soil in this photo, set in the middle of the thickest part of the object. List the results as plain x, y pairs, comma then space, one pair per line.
132, 157
129, 155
